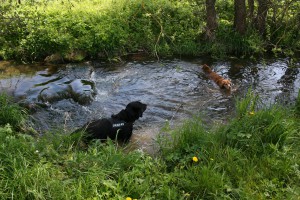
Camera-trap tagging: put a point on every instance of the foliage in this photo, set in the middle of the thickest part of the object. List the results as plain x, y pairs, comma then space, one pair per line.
283, 22
52, 168
260, 134
104, 29
100, 28
297, 107
228, 42
247, 105
10, 113
254, 156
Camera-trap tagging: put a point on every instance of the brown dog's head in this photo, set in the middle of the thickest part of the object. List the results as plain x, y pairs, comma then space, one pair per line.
225, 83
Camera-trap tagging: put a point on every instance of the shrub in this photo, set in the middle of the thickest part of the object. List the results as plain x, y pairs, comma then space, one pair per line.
100, 29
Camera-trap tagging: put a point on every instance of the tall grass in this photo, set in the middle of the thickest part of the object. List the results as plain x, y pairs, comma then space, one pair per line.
78, 30
257, 128
50, 168
247, 105
100, 29
11, 113
254, 156
297, 106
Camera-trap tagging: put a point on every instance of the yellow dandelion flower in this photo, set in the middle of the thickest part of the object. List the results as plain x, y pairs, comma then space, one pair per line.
128, 198
187, 194
251, 113
195, 159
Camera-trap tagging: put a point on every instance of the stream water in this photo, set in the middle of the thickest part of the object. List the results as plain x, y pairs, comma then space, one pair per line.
67, 96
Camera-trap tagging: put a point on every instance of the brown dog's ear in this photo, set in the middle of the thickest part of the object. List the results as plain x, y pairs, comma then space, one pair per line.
206, 68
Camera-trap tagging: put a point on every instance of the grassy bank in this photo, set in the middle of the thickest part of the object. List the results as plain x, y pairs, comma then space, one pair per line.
255, 156
100, 29
78, 30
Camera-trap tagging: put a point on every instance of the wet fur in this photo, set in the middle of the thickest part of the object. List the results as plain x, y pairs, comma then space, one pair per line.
219, 80
102, 129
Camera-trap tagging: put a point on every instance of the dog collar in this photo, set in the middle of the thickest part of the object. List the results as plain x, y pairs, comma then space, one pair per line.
117, 123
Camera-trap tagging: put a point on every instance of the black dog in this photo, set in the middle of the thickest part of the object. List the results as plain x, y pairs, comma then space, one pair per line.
118, 127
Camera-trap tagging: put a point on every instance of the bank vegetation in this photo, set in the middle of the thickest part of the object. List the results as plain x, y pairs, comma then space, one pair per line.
74, 30
256, 155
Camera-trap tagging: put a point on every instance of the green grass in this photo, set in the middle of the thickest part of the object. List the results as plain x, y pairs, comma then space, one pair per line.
255, 156
99, 29
11, 113
108, 29
297, 107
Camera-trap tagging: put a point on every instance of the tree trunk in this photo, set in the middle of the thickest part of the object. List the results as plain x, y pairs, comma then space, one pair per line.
260, 20
240, 16
251, 10
211, 19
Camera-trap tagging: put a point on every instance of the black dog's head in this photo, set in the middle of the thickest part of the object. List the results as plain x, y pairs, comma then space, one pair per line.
132, 112
136, 109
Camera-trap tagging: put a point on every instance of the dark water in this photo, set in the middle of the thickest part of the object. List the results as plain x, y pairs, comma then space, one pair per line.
65, 97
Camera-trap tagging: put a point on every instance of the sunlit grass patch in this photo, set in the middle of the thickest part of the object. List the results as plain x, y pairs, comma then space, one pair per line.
186, 142
260, 133
254, 156
11, 113
102, 29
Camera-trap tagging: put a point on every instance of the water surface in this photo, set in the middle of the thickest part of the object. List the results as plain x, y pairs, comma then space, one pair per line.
66, 97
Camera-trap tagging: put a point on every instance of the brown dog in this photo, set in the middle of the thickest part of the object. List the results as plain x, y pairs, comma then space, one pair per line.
219, 80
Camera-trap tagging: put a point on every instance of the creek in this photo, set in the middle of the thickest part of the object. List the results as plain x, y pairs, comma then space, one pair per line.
64, 97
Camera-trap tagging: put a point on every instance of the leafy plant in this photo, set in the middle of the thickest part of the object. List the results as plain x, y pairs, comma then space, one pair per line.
247, 105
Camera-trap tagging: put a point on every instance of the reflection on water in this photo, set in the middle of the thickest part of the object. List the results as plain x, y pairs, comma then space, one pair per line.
173, 89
